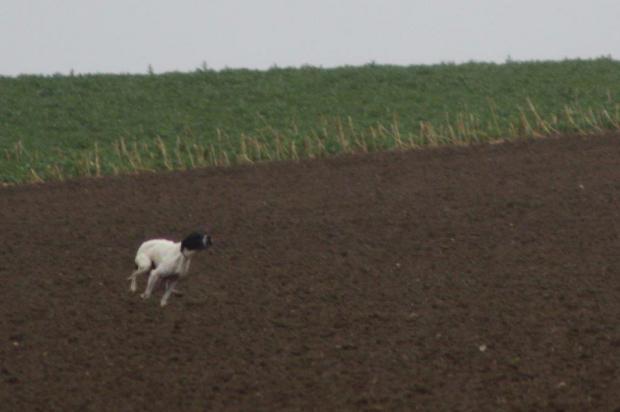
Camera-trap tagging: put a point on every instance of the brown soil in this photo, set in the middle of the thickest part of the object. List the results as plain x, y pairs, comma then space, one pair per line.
483, 278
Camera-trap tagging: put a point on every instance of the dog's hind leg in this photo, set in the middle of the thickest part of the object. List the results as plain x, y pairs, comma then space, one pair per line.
143, 265
133, 277
152, 282
134, 283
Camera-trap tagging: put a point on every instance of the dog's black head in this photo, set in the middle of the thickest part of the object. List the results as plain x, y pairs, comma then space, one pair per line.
196, 241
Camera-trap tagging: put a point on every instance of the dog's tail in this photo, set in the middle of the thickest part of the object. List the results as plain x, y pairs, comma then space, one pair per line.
142, 265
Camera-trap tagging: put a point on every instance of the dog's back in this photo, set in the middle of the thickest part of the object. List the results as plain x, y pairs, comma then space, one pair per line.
152, 252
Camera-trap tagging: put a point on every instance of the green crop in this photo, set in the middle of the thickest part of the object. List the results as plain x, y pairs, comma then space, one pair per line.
57, 127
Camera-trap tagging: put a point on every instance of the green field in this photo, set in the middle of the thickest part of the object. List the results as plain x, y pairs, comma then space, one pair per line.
56, 127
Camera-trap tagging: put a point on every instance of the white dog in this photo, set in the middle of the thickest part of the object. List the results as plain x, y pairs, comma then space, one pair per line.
167, 262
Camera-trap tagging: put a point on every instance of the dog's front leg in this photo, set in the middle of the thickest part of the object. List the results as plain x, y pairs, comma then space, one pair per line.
170, 285
153, 279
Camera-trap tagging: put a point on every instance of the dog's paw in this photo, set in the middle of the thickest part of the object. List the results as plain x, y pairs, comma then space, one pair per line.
163, 303
145, 295
133, 288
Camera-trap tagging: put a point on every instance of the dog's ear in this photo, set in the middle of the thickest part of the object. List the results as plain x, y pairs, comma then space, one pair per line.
193, 241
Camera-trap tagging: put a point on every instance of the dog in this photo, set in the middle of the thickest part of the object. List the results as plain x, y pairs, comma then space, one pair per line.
167, 262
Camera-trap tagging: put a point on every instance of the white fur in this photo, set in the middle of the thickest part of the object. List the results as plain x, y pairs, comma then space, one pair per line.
169, 262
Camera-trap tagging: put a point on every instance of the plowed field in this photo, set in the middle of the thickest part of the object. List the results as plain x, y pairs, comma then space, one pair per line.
483, 278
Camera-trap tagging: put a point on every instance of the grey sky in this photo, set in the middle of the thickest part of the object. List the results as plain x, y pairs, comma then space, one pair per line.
48, 36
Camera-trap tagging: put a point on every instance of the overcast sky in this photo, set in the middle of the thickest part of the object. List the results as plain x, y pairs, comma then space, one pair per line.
121, 36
